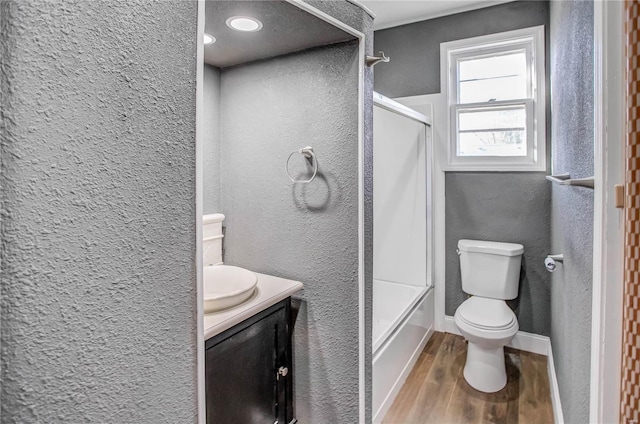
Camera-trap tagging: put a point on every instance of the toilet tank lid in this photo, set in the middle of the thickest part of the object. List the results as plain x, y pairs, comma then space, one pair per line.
212, 218
491, 247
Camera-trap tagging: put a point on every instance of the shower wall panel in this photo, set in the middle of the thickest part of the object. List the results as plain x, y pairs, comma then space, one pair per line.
399, 199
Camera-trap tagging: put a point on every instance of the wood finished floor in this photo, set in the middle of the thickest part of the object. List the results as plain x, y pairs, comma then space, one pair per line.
436, 391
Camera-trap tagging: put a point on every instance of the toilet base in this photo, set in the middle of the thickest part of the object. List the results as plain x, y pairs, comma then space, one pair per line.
485, 368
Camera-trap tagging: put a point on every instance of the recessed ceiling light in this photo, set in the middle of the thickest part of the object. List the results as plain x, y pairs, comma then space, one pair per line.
209, 39
244, 23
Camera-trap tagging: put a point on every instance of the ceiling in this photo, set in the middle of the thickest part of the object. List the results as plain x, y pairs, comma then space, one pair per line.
390, 13
286, 29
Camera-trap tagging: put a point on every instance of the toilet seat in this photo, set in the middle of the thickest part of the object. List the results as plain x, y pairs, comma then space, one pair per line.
486, 314
486, 321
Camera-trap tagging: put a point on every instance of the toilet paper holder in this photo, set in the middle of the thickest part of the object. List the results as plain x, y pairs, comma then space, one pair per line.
551, 261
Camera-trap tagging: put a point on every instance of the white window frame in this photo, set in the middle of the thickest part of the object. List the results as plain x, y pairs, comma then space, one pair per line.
532, 41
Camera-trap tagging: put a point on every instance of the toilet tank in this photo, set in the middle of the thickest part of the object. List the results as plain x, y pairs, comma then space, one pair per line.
490, 269
212, 239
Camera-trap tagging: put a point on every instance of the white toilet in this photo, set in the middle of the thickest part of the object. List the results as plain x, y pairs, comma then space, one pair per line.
491, 274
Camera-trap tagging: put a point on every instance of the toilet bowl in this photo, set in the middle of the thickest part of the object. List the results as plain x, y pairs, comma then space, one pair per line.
488, 325
490, 273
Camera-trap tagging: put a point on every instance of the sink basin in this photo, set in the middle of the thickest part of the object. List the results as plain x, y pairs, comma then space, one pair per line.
226, 286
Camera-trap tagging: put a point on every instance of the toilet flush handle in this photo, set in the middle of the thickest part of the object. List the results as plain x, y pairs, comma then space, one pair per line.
458, 252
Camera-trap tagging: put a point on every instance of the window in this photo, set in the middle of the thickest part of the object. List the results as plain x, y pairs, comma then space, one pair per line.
496, 101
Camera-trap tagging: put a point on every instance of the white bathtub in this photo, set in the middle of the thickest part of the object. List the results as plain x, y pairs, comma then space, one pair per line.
391, 304
402, 325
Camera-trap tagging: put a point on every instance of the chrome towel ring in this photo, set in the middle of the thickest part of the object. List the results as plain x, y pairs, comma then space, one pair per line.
307, 152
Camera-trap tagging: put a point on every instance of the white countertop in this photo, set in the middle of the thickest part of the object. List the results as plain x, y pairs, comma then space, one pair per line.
270, 291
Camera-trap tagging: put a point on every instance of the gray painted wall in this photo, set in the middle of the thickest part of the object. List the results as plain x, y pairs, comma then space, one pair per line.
492, 206
363, 22
211, 140
572, 208
510, 207
414, 48
307, 232
98, 205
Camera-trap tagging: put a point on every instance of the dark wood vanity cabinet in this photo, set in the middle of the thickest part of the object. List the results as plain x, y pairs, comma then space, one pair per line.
248, 370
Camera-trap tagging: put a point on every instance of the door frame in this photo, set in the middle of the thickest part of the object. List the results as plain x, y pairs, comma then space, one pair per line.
200, 342
608, 228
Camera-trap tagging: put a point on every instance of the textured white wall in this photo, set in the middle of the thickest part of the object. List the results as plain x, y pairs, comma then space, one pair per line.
98, 211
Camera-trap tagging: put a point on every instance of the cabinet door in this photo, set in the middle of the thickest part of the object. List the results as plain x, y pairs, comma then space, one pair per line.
242, 382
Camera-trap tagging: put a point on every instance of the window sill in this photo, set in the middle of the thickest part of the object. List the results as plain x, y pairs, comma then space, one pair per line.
485, 167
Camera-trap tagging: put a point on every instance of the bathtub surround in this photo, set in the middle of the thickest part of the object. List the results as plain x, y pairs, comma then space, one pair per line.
98, 211
483, 205
400, 198
572, 208
402, 306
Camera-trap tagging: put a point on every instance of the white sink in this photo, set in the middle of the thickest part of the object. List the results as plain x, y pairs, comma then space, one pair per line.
227, 286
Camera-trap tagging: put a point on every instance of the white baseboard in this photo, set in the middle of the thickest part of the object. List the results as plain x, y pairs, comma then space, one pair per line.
533, 343
528, 342
555, 392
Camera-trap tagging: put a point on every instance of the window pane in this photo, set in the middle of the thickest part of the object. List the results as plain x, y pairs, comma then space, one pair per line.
499, 131
499, 77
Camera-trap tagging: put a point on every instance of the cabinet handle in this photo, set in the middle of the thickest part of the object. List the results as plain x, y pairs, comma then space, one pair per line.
282, 371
